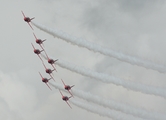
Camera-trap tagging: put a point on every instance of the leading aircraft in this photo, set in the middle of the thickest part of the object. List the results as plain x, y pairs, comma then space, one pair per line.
65, 98
27, 19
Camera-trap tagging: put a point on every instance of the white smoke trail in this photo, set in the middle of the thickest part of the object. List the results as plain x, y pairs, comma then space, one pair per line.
96, 48
113, 104
112, 79
103, 112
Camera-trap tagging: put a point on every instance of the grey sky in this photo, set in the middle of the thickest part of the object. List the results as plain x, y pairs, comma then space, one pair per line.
128, 26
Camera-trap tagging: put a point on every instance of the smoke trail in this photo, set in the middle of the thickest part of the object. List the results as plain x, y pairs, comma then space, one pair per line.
112, 79
103, 112
113, 104
96, 48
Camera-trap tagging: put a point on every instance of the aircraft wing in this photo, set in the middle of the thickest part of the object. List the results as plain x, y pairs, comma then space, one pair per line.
30, 25
68, 104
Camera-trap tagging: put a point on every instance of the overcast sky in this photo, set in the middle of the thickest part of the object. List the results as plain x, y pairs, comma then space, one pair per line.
130, 26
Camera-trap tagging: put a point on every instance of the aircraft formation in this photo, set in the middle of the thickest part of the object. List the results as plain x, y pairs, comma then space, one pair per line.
50, 61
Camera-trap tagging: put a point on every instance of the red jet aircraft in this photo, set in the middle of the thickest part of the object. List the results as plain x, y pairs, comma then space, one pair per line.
39, 41
49, 71
27, 19
45, 80
51, 61
37, 51
67, 87
65, 98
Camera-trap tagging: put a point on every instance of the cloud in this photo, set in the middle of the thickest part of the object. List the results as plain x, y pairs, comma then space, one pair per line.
18, 96
120, 25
